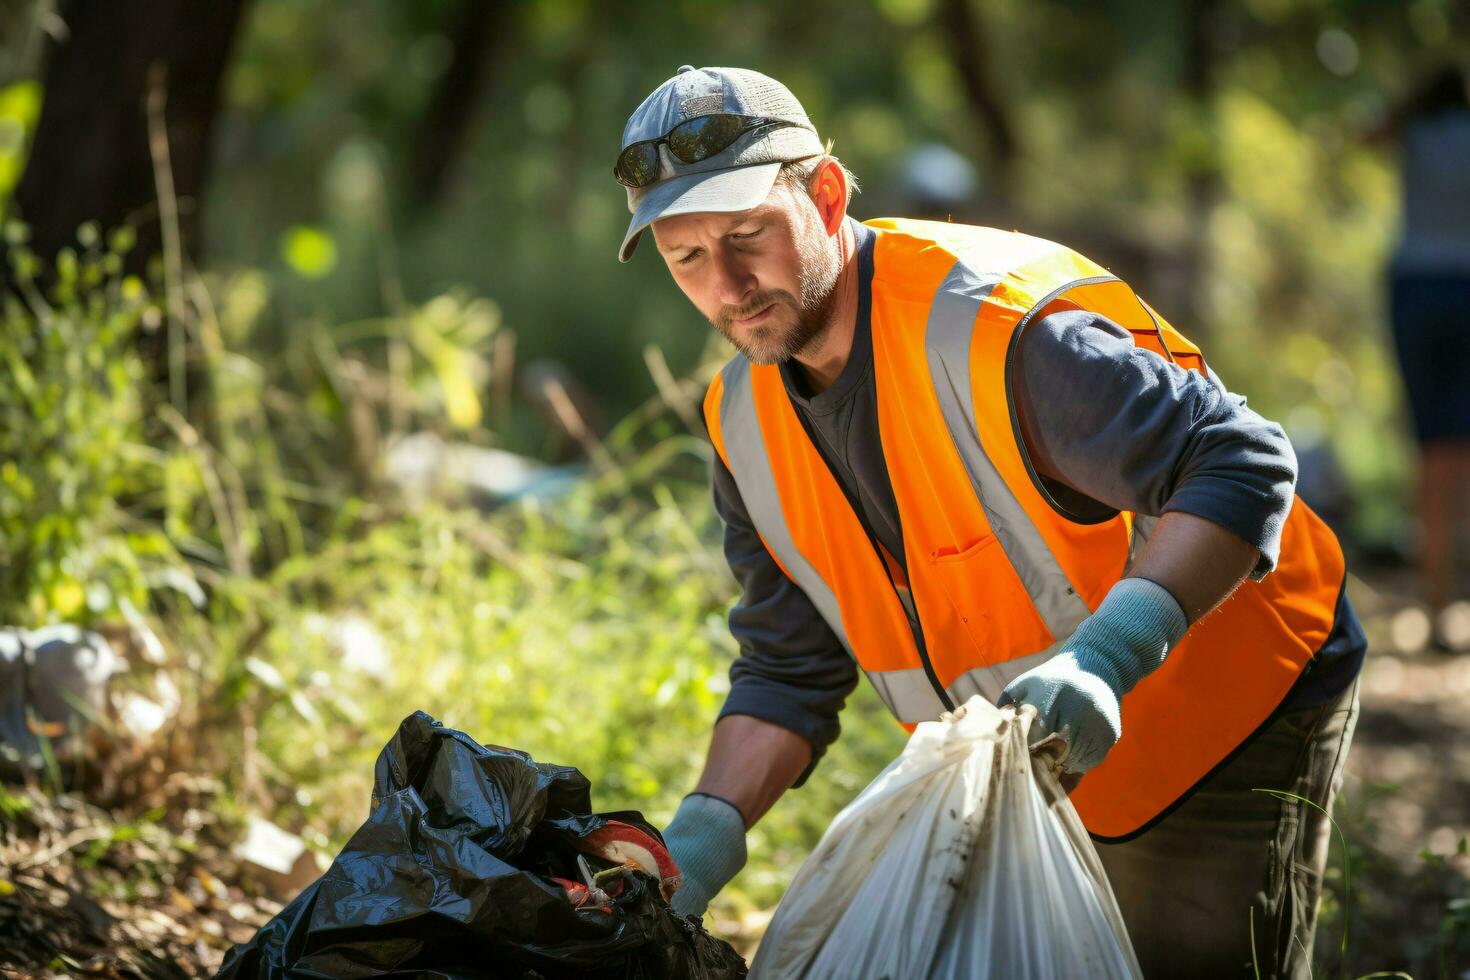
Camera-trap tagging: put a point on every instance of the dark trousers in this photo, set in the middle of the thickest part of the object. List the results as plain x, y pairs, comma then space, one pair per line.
1431, 334
1230, 860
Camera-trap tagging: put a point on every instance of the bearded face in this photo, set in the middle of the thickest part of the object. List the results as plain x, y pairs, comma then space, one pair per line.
776, 325
765, 278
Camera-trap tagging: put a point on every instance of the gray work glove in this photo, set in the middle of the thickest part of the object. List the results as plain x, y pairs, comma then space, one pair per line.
1077, 692
706, 839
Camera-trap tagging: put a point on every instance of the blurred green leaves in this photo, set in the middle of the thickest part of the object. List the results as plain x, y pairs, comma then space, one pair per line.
449, 332
310, 252
1214, 149
71, 438
20, 107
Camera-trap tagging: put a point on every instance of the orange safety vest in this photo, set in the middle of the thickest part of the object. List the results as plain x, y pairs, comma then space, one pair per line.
997, 577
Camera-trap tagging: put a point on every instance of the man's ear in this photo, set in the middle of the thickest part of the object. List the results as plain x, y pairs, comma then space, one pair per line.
829, 193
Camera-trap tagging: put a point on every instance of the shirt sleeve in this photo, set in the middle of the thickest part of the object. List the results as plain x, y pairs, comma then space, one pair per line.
1113, 426
792, 670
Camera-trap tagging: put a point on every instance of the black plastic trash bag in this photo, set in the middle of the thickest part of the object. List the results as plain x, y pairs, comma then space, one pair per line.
452, 876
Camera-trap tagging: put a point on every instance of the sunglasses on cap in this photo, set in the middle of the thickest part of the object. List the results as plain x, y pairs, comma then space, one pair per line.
691, 141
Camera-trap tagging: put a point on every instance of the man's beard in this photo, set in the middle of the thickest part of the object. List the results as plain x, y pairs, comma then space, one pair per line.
773, 342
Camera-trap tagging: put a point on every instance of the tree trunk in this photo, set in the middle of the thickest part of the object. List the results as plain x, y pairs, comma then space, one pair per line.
967, 42
90, 159
120, 72
1207, 34
440, 133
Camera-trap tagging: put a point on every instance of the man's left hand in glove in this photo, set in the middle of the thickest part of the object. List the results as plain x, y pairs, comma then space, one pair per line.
1077, 691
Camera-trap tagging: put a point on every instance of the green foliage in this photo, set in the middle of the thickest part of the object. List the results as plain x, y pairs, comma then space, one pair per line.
12, 806
450, 332
311, 252
71, 445
317, 611
589, 631
1213, 147
20, 106
1406, 914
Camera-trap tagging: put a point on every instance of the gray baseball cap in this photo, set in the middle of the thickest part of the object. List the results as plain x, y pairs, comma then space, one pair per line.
738, 177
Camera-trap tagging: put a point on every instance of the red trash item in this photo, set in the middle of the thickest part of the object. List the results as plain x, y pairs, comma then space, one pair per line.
625, 844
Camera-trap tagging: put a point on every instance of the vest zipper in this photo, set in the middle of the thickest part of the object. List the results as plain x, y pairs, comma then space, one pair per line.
912, 615
915, 627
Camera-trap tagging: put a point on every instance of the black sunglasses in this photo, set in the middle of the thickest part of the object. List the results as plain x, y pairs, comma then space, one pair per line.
691, 141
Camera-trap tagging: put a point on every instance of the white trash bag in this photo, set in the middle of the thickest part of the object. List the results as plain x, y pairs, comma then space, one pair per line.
963, 859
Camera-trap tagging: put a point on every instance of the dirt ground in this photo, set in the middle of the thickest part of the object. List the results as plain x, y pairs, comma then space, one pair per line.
1405, 802
88, 892
85, 894
130, 874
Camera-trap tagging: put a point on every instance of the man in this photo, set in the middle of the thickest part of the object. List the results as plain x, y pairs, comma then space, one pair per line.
974, 462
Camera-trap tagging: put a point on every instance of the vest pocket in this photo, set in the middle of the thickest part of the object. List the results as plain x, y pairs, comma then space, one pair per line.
940, 556
989, 600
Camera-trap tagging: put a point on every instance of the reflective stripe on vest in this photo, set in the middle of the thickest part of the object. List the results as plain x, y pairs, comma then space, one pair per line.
998, 576
947, 336
746, 454
906, 691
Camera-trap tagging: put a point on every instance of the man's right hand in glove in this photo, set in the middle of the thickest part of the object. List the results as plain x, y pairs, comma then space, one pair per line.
751, 763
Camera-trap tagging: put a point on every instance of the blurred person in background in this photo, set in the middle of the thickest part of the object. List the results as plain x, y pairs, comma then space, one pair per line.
1429, 300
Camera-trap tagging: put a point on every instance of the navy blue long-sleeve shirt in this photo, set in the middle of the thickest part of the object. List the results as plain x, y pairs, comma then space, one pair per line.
1108, 426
